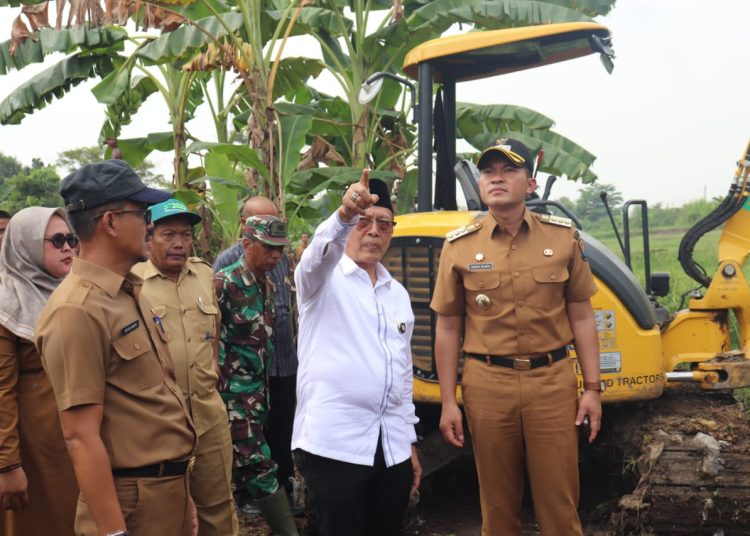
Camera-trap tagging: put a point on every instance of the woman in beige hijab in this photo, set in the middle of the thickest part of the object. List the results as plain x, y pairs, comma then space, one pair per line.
36, 474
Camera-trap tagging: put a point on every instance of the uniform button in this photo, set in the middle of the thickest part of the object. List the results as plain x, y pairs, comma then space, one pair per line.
85, 284
520, 303
192, 365
522, 332
188, 339
481, 284
516, 274
553, 276
514, 247
183, 310
137, 346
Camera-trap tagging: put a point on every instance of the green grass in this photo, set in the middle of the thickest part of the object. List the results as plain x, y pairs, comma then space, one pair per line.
664, 244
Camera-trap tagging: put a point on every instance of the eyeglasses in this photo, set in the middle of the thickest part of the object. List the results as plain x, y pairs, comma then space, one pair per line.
143, 213
58, 240
383, 225
269, 248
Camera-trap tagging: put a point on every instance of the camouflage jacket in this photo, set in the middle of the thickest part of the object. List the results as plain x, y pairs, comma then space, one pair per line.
247, 318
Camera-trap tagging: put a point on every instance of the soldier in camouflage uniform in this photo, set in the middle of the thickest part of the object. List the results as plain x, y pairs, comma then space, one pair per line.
246, 300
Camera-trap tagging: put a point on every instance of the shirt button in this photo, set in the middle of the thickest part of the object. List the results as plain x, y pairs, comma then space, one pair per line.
522, 332
192, 365
481, 284
514, 247
183, 310
188, 339
520, 303
553, 276
516, 274
137, 346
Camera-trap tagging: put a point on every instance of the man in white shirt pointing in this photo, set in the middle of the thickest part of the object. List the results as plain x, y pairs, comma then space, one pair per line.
354, 423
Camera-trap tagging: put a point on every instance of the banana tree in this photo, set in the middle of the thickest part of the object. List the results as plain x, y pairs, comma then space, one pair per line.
374, 35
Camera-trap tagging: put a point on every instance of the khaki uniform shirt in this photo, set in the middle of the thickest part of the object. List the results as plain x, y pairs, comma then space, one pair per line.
512, 290
101, 344
190, 314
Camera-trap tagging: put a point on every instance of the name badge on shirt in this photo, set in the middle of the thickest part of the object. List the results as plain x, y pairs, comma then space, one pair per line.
478, 266
130, 327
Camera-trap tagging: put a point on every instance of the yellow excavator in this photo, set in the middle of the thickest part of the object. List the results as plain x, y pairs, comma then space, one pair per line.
644, 348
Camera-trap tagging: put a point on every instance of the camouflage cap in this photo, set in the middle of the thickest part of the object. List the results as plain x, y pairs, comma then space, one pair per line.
268, 230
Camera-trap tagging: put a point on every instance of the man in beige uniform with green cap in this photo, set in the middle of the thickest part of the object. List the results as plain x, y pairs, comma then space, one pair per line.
180, 289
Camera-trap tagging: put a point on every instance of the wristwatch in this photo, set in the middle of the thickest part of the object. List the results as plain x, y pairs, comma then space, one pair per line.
119, 533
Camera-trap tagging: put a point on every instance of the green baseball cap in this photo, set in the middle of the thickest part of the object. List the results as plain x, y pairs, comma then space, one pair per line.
268, 230
170, 208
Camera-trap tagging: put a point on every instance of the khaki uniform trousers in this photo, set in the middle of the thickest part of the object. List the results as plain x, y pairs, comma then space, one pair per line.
525, 418
211, 483
151, 506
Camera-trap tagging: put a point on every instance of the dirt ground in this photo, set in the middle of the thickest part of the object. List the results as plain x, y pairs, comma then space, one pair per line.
643, 476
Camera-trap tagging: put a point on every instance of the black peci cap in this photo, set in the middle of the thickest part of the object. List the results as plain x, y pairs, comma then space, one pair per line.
380, 189
515, 151
103, 182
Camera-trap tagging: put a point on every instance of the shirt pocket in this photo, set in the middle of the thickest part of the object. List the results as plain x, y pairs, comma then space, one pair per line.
136, 366
482, 292
207, 317
548, 286
161, 312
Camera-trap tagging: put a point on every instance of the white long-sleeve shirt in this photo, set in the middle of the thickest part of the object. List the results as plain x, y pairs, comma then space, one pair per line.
355, 370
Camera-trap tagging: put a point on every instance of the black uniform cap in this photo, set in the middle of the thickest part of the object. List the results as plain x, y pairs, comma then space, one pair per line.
103, 182
380, 188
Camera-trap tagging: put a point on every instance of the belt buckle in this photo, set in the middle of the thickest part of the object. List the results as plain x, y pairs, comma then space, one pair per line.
522, 364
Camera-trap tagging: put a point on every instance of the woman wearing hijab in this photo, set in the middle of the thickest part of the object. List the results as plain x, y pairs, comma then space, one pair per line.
36, 474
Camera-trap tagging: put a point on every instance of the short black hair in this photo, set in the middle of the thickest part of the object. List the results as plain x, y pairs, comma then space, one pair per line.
5, 215
84, 222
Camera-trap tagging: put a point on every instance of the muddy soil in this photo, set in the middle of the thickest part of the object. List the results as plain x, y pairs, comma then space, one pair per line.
645, 475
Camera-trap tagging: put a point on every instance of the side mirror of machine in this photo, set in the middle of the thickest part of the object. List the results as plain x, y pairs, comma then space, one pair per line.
659, 284
468, 175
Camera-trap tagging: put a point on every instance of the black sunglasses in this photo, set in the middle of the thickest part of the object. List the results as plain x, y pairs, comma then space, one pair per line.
144, 213
58, 240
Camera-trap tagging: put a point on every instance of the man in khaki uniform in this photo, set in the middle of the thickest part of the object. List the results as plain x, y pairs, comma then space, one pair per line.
516, 285
105, 351
180, 289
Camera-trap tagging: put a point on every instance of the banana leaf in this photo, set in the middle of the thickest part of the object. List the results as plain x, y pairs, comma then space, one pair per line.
293, 131
439, 15
309, 182
96, 41
235, 153
51, 83
187, 40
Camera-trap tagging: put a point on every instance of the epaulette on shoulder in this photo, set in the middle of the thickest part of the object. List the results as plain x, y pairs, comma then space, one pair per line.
555, 220
198, 260
455, 234
77, 294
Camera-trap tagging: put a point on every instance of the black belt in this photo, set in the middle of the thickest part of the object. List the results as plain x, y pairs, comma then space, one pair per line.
523, 364
156, 470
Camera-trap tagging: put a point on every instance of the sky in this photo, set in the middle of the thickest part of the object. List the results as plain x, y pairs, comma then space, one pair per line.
668, 125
